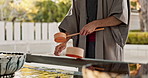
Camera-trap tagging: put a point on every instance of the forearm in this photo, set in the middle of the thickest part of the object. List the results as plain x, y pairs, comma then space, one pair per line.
110, 21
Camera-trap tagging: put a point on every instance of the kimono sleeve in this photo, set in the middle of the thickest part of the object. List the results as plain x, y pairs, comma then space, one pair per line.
69, 23
120, 10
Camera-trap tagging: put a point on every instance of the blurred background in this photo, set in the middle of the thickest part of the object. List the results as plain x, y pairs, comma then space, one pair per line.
29, 25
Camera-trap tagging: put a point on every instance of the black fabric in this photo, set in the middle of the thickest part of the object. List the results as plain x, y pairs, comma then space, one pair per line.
91, 6
90, 50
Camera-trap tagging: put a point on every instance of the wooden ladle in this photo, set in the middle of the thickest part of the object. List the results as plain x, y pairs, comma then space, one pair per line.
61, 37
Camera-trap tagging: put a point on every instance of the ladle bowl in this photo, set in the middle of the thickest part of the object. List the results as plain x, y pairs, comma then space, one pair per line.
75, 52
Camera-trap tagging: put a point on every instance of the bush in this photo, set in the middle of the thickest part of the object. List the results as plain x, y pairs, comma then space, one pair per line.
138, 38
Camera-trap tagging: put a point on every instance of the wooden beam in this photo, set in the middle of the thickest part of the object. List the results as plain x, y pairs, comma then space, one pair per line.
65, 61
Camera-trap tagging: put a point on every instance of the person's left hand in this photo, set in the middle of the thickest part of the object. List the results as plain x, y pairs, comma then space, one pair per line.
88, 28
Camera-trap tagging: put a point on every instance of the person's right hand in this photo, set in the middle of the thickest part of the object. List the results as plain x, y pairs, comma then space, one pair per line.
59, 48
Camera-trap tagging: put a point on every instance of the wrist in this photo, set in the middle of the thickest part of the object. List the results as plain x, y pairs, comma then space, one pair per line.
96, 24
64, 43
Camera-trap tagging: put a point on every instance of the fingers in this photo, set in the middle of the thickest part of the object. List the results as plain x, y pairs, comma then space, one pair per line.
88, 29
82, 32
59, 49
88, 33
85, 31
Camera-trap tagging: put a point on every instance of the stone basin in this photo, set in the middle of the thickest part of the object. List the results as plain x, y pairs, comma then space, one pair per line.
10, 62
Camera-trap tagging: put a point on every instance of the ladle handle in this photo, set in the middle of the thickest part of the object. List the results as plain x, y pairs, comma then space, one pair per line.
99, 29
73, 35
79, 33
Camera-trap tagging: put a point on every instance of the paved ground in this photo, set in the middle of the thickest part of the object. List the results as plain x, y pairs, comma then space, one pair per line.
136, 53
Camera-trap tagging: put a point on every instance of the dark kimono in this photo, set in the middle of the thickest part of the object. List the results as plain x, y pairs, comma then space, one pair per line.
109, 42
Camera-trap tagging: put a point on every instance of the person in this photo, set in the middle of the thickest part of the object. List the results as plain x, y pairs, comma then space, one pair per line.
87, 15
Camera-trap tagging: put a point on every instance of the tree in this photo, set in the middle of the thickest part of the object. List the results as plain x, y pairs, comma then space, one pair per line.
51, 11
34, 10
5, 10
22, 9
63, 7
47, 11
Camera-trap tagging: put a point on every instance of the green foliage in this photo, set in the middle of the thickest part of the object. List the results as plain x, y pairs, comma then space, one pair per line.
4, 9
135, 31
138, 38
34, 10
46, 12
62, 10
50, 11
133, 4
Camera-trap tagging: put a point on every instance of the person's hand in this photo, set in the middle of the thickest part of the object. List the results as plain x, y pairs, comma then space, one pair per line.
59, 48
88, 28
